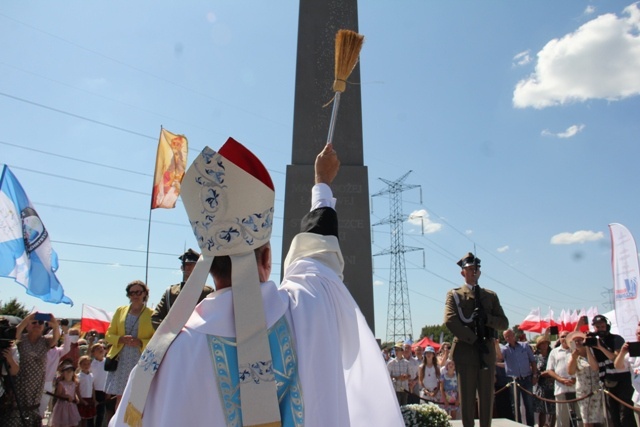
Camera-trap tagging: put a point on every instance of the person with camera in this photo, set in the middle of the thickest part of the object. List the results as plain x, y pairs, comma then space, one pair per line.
606, 347
8, 366
29, 384
54, 356
624, 360
583, 365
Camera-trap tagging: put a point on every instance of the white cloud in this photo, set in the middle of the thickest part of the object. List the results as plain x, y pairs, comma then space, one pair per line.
503, 249
468, 232
523, 58
581, 236
421, 217
600, 60
572, 130
590, 10
378, 283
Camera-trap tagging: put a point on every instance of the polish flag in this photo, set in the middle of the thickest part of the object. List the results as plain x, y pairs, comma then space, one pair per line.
532, 323
94, 318
564, 320
573, 320
548, 321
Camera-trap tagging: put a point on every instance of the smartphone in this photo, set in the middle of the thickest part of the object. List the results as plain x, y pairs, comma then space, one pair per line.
572, 346
553, 330
634, 349
45, 317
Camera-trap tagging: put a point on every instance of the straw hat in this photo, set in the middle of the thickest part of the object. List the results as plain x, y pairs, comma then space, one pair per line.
541, 339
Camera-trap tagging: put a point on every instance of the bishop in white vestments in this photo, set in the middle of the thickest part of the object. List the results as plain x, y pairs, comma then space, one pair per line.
303, 356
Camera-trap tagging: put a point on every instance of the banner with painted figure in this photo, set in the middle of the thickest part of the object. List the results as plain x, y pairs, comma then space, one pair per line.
26, 254
624, 264
171, 164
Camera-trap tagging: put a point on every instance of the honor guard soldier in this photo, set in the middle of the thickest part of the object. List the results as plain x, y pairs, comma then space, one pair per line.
473, 315
188, 260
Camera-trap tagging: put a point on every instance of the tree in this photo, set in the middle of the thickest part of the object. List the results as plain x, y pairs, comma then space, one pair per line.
435, 331
14, 308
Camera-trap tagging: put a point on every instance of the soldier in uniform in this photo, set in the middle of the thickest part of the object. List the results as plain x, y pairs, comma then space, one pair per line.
189, 259
474, 315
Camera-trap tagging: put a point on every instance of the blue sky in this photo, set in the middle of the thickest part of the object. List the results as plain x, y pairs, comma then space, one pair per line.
519, 120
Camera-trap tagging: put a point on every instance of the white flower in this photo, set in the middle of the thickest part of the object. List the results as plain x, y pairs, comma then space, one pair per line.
425, 415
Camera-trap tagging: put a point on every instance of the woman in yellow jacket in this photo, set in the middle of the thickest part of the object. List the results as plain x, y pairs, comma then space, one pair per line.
129, 333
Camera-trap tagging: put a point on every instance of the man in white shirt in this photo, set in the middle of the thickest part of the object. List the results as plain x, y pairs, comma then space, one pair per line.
565, 387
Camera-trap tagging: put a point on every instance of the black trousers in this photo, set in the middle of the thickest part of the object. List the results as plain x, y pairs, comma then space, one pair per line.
620, 415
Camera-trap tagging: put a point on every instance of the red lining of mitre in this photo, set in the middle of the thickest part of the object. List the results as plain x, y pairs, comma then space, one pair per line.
240, 156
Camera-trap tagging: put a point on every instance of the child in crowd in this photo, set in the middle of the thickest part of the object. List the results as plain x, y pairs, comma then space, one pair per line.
99, 380
429, 376
65, 412
450, 389
87, 403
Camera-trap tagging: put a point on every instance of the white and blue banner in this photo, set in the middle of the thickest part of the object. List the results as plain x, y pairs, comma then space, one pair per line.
624, 263
25, 248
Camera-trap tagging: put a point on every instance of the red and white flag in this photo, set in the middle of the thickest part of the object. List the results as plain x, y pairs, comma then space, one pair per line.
548, 321
532, 322
94, 318
564, 321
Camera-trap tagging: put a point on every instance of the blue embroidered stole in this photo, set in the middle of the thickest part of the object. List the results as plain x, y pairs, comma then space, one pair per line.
285, 368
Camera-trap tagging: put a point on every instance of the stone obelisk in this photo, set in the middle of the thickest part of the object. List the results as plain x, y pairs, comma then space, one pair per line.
318, 24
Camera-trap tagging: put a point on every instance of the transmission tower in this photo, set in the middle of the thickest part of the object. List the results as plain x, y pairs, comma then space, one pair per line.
399, 325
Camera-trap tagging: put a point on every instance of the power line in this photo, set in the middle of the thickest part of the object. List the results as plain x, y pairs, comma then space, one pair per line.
75, 159
108, 98
82, 181
77, 116
490, 253
162, 79
112, 248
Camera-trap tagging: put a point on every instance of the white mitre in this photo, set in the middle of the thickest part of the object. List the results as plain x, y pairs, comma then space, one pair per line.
229, 198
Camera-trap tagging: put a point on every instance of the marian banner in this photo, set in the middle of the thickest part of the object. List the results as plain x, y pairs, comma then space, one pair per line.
171, 163
624, 263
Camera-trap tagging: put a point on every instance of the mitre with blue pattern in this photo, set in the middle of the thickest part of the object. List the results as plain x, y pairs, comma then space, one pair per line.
229, 198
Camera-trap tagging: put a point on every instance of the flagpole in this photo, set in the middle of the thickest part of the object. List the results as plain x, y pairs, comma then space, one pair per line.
146, 267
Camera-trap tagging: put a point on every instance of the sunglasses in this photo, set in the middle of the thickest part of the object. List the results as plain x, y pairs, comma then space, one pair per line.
37, 322
135, 293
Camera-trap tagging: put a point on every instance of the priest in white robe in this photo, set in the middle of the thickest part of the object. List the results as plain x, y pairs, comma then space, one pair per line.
303, 356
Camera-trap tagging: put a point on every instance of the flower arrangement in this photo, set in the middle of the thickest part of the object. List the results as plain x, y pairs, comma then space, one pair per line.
425, 415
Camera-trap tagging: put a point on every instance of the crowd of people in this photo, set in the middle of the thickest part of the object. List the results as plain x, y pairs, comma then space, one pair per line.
579, 379
56, 375
92, 383
52, 374
274, 338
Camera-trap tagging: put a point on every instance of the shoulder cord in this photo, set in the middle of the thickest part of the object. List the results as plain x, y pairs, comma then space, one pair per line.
464, 318
167, 298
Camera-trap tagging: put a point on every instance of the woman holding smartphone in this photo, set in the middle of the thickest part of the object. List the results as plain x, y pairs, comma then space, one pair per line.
29, 382
583, 364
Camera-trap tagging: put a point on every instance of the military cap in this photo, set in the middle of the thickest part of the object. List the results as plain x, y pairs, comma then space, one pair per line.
468, 260
189, 256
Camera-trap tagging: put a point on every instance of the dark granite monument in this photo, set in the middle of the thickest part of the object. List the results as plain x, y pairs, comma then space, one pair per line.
319, 22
